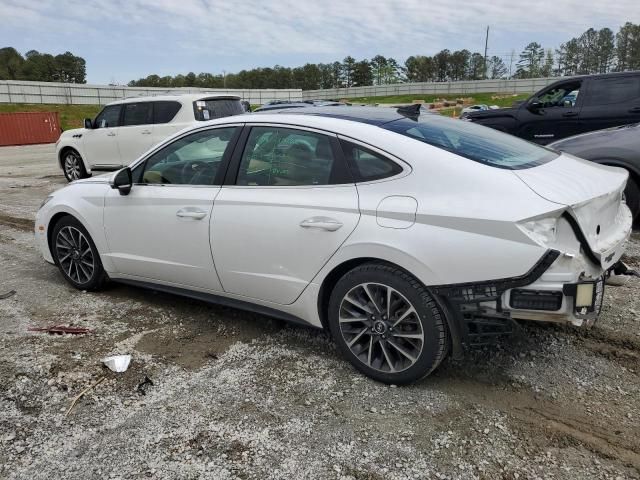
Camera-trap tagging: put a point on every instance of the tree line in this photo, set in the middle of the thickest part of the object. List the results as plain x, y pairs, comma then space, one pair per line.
41, 67
595, 51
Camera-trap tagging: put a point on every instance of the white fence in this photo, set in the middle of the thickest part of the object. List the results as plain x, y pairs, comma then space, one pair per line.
433, 88
18, 91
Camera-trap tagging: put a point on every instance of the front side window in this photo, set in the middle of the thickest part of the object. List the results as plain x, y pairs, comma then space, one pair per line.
565, 96
191, 160
108, 117
210, 108
472, 141
607, 91
138, 113
367, 165
276, 156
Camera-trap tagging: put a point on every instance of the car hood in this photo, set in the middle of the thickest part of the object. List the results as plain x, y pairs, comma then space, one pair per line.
592, 193
102, 178
498, 112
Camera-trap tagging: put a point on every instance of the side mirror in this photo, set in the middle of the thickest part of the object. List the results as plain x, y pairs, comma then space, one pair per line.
88, 123
123, 181
535, 106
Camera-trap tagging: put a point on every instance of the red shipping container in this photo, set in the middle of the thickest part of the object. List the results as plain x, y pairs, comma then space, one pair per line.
26, 128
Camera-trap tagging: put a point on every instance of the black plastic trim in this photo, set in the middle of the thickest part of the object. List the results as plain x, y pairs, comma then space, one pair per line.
218, 300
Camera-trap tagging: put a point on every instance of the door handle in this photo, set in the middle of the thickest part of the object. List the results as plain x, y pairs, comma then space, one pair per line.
111, 134
570, 114
194, 213
634, 110
146, 132
323, 223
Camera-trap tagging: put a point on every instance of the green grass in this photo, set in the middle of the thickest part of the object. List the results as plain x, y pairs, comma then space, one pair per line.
71, 116
507, 101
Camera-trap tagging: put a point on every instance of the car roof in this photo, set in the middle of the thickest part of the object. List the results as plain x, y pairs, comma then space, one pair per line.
369, 115
181, 97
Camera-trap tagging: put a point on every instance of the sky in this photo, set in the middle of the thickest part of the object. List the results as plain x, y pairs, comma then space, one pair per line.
122, 40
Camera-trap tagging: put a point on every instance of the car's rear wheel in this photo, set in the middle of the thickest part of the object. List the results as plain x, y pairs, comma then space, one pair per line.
72, 165
632, 197
76, 255
387, 324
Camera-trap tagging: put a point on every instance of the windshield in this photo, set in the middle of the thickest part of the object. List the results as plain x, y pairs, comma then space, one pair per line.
472, 141
210, 108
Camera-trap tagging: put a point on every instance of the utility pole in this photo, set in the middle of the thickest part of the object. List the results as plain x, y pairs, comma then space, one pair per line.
486, 44
224, 79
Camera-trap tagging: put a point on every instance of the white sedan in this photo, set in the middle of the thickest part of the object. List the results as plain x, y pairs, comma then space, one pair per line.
405, 235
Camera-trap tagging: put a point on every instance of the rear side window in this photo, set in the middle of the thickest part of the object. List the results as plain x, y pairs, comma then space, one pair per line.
277, 156
366, 165
163, 112
138, 113
472, 141
108, 117
210, 108
606, 91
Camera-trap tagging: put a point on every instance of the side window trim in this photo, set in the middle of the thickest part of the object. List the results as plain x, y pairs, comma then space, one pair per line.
224, 163
406, 168
340, 174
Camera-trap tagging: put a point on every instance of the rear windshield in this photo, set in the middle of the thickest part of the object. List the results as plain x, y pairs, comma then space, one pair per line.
208, 109
472, 141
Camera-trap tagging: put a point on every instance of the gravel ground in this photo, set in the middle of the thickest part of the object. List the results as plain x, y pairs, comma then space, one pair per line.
239, 395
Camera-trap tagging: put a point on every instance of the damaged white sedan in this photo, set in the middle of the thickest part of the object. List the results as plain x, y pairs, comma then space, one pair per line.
405, 235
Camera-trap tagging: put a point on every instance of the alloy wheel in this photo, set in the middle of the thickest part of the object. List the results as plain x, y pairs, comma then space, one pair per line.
75, 255
381, 327
72, 166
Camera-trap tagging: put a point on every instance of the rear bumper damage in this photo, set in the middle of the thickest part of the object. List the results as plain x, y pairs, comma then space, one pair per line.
560, 288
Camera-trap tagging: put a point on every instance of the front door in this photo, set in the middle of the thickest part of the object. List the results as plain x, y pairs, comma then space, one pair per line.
553, 115
136, 134
101, 142
160, 231
291, 207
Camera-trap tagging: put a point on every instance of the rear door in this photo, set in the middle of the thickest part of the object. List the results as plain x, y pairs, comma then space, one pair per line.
612, 101
101, 142
164, 113
557, 116
136, 134
286, 212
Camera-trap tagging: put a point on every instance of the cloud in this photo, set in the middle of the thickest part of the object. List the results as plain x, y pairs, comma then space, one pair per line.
246, 32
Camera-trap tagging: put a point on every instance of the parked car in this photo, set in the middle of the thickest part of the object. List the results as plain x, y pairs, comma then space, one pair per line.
405, 235
123, 130
617, 146
569, 107
474, 108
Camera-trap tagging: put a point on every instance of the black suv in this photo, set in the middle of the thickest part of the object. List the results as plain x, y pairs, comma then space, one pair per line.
568, 107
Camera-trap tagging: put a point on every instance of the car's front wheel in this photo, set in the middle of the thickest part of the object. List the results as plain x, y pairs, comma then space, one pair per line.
76, 255
73, 166
387, 324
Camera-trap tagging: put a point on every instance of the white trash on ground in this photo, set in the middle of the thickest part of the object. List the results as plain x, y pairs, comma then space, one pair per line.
117, 363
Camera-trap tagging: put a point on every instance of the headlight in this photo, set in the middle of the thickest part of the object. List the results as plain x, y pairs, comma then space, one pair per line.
45, 201
543, 231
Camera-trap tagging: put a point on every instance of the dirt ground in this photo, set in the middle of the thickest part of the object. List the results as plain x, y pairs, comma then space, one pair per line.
239, 395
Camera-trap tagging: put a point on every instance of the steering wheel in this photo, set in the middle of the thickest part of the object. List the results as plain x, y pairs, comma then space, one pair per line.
191, 169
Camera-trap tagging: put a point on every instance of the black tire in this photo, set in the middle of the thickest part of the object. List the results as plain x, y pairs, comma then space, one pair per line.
76, 255
72, 165
428, 321
632, 197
